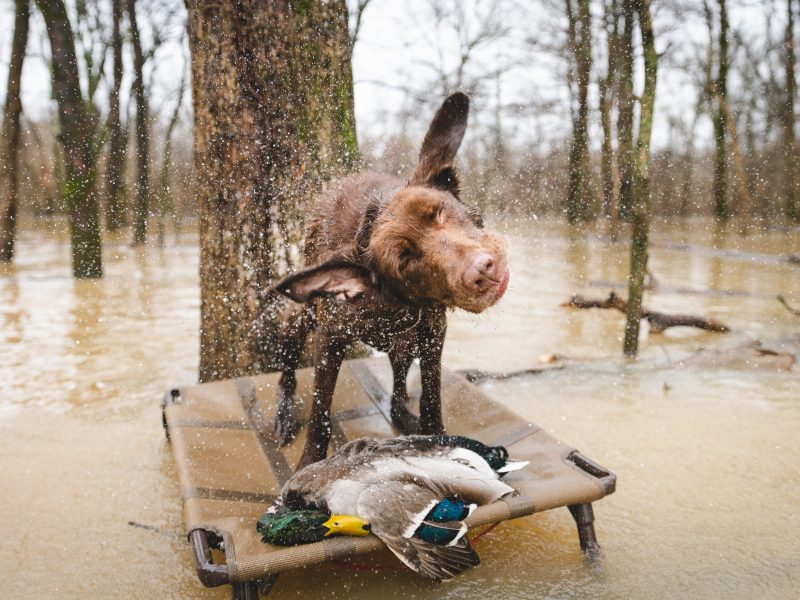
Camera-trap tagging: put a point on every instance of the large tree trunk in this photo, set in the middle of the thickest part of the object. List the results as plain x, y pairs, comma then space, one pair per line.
9, 143
80, 169
721, 205
641, 183
115, 169
273, 105
580, 42
625, 112
787, 118
141, 203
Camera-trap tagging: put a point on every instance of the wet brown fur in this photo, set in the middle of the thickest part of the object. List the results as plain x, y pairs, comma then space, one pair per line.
385, 259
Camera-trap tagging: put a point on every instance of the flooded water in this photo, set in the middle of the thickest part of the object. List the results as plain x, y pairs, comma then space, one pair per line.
708, 460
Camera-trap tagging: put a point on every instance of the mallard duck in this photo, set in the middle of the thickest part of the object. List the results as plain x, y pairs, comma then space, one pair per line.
413, 492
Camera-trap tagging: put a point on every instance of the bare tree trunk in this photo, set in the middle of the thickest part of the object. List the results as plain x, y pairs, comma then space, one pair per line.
721, 205
273, 105
741, 180
115, 169
788, 120
80, 169
641, 180
580, 42
164, 196
9, 144
688, 171
59, 176
625, 112
141, 204
606, 89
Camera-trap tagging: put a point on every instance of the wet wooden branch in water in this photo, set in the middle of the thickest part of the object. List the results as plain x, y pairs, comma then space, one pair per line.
479, 376
658, 321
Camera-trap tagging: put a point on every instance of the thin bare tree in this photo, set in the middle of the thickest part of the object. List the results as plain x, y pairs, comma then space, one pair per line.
77, 138
9, 143
141, 205
788, 119
719, 86
579, 40
625, 106
118, 138
641, 180
165, 204
607, 95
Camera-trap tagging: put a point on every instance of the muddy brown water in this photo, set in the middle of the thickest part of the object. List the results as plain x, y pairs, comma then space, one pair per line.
708, 460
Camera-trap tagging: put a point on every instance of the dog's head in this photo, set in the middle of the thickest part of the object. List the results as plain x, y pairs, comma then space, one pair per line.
423, 242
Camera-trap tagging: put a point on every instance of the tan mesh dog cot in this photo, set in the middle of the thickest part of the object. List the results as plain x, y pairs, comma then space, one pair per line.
231, 467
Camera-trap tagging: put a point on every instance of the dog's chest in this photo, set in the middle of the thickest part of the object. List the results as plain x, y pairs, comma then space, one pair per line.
374, 324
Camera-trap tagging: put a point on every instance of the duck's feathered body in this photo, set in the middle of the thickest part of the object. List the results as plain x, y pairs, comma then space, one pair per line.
410, 489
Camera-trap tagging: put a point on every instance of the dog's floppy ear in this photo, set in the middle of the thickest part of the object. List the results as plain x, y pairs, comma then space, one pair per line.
336, 278
435, 166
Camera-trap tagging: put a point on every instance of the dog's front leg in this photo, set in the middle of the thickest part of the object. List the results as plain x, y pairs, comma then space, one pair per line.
328, 355
295, 327
401, 355
430, 337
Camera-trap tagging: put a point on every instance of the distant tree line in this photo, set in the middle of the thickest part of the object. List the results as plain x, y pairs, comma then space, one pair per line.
272, 99
728, 115
107, 161
78, 163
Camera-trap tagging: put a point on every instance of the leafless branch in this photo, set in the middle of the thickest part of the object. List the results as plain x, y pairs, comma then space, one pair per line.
794, 311
658, 321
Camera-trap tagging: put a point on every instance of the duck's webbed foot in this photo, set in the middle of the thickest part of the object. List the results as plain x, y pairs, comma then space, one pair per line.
285, 423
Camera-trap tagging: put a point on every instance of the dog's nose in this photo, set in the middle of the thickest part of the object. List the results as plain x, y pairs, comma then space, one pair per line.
481, 274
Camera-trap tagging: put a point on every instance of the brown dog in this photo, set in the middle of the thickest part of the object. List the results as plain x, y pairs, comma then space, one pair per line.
388, 258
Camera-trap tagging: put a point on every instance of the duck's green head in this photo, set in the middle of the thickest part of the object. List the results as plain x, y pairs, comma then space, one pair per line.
286, 527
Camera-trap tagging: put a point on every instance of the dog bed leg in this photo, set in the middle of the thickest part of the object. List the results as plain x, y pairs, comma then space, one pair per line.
584, 519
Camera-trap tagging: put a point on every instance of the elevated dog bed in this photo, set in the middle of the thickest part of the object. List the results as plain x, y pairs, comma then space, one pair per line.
231, 467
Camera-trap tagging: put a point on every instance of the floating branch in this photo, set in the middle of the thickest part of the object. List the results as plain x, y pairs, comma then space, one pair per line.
658, 321
783, 301
750, 356
478, 376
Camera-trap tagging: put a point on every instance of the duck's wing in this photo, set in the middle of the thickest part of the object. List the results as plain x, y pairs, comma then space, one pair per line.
395, 510
461, 473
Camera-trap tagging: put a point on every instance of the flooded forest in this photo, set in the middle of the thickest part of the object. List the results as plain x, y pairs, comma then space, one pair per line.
159, 165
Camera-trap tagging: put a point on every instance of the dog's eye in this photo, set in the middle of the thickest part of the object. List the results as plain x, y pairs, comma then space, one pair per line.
437, 215
408, 253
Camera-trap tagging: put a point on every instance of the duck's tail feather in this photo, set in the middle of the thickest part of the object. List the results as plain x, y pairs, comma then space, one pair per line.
513, 465
432, 560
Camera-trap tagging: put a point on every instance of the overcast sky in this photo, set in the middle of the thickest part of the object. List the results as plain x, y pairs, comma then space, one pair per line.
399, 42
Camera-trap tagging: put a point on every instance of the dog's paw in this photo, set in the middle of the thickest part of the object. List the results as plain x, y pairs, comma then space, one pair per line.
285, 429
405, 421
285, 425
431, 428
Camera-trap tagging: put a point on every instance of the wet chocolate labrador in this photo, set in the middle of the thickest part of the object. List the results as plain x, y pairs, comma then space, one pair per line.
387, 259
